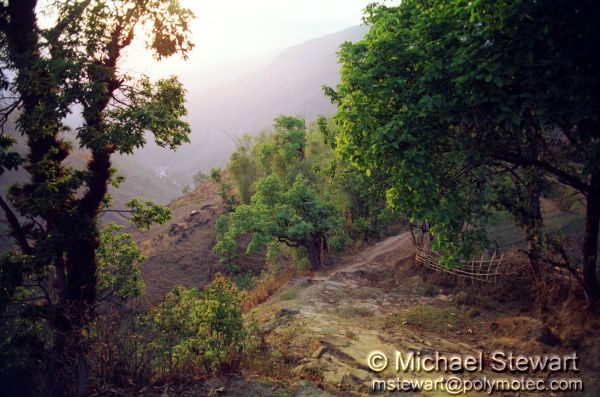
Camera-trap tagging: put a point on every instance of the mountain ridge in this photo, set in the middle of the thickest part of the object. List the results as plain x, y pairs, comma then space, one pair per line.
290, 84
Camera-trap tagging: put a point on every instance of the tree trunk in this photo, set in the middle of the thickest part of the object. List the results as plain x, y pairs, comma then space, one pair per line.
313, 248
590, 244
81, 257
533, 225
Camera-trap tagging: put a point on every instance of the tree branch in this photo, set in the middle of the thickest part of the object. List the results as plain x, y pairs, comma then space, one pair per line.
288, 242
64, 22
562, 175
15, 225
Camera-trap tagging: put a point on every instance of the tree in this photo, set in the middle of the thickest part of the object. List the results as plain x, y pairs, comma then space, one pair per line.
296, 216
519, 193
243, 167
119, 277
79, 63
431, 95
285, 153
225, 189
54, 216
200, 177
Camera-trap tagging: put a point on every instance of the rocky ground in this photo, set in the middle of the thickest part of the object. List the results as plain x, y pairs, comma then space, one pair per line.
317, 331
323, 327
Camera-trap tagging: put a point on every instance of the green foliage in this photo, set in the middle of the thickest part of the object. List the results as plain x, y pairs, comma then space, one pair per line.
395, 123
431, 97
291, 150
225, 190
145, 213
200, 327
14, 271
244, 168
200, 177
295, 216
118, 259
157, 108
227, 247
8, 160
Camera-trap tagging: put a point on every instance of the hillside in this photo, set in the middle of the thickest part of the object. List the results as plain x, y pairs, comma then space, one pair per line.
290, 84
180, 252
221, 108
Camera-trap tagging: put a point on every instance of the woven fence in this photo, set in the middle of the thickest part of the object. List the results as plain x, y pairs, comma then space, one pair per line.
484, 270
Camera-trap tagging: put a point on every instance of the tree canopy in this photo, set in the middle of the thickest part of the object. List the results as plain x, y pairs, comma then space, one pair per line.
447, 96
73, 65
295, 216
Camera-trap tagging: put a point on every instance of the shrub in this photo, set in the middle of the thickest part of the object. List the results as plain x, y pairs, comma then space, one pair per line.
200, 328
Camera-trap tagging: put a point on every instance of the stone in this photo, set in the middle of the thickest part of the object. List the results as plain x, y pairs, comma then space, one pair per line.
307, 389
287, 312
319, 352
462, 298
547, 337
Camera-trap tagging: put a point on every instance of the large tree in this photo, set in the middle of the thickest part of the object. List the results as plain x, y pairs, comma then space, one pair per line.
53, 217
448, 95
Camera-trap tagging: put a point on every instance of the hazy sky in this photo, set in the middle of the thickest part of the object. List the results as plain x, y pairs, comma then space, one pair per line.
232, 29
227, 30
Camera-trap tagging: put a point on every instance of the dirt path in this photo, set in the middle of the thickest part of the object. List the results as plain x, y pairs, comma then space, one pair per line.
375, 300
335, 320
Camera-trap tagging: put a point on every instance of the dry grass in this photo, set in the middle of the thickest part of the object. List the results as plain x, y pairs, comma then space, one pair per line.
423, 318
268, 285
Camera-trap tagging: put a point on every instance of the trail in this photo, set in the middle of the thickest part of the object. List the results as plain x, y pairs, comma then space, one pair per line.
337, 318
324, 327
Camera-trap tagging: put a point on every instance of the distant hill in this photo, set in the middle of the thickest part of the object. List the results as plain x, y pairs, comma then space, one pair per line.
290, 84
224, 103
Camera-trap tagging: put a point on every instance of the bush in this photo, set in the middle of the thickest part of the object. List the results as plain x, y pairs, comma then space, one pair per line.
200, 328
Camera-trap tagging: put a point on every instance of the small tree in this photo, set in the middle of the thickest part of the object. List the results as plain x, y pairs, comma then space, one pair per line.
200, 328
200, 177
225, 190
119, 277
297, 217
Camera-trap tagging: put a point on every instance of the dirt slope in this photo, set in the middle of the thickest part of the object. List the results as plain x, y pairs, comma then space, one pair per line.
378, 299
180, 252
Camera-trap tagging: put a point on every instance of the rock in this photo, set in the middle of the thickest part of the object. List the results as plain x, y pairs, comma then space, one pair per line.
287, 312
300, 280
177, 228
319, 352
335, 341
267, 328
462, 298
217, 391
414, 282
306, 389
348, 380
494, 327
311, 367
443, 298
547, 337
474, 313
